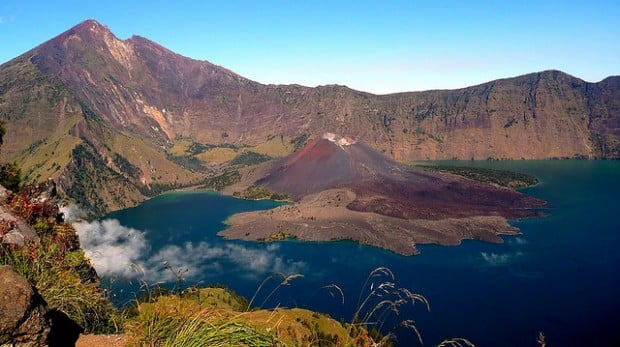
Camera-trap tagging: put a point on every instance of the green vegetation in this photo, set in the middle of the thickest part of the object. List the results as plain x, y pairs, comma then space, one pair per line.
195, 317
88, 167
10, 176
513, 180
222, 180
249, 158
187, 161
125, 166
217, 155
260, 192
275, 146
300, 141
197, 148
2, 132
279, 236
59, 268
61, 277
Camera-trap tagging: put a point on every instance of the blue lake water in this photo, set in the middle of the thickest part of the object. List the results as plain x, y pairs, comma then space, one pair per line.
561, 276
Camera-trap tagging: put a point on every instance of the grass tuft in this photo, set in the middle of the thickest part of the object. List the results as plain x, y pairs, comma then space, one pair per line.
64, 282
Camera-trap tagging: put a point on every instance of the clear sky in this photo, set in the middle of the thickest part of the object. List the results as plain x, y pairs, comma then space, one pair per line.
376, 46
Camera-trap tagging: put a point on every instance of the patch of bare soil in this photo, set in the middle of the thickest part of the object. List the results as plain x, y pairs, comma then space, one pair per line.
101, 341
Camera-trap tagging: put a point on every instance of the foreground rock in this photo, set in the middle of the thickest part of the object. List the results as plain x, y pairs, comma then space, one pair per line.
23, 312
14, 230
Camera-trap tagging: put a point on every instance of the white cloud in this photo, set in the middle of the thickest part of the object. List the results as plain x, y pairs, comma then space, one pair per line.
72, 213
195, 260
116, 250
112, 248
495, 259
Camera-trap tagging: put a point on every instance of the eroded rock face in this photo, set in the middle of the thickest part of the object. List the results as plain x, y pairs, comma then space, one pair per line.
23, 312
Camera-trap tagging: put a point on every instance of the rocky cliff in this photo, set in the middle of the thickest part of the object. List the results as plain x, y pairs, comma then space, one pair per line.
117, 120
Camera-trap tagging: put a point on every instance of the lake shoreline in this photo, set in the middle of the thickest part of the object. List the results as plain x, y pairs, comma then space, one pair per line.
325, 217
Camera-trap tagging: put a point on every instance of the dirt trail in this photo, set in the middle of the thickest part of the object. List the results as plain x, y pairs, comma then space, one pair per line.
101, 341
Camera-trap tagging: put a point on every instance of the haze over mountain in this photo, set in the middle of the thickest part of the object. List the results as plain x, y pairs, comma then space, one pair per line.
117, 120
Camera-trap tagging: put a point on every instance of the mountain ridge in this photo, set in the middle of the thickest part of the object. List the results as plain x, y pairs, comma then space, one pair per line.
150, 119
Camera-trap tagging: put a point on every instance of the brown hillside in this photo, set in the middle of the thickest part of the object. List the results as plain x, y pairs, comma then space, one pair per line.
148, 119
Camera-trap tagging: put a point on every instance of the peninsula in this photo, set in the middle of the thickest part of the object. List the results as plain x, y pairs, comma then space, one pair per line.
343, 189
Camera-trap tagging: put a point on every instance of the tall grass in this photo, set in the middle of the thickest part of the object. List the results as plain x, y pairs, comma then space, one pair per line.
196, 332
179, 321
285, 281
379, 301
215, 317
59, 277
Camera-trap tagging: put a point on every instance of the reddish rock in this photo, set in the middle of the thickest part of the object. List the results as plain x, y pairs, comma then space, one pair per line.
23, 312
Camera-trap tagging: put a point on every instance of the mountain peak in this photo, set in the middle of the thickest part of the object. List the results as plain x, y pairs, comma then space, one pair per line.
91, 26
89, 29
340, 140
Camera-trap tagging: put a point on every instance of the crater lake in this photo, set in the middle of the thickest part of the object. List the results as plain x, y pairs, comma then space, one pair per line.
560, 277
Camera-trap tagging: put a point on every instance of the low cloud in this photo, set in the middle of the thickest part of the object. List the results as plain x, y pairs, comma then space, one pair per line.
116, 250
518, 241
73, 213
193, 260
496, 259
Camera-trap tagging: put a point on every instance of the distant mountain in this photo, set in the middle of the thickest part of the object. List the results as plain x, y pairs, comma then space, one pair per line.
116, 120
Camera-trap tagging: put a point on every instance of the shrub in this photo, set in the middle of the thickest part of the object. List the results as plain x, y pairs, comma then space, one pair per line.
10, 176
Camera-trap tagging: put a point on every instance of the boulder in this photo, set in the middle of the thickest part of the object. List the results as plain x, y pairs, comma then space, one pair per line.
14, 230
23, 311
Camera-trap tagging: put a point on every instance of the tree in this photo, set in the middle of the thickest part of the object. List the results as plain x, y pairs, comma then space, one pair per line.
2, 131
10, 174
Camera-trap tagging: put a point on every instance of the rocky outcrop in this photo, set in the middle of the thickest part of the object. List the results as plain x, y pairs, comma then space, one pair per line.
23, 311
14, 230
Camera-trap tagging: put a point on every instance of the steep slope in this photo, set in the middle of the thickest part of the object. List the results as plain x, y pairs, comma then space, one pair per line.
156, 119
327, 162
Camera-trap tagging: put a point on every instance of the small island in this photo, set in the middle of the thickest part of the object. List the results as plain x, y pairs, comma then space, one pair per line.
341, 189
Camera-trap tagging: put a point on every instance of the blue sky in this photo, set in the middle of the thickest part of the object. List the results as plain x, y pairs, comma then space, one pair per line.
375, 46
